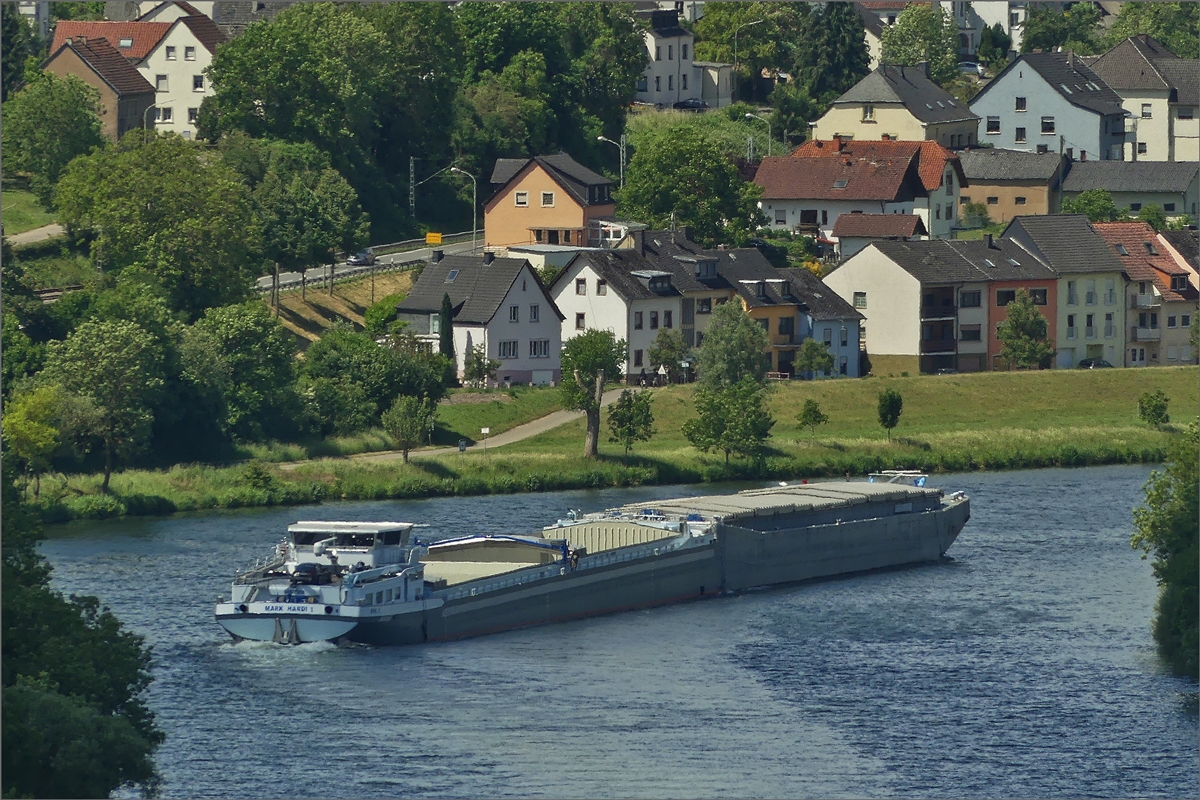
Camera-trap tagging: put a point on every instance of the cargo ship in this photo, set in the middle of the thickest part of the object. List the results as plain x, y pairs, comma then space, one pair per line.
383, 583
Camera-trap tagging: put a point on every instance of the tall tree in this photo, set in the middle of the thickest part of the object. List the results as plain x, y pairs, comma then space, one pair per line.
1173, 24
118, 366
46, 124
1022, 335
811, 416
16, 45
924, 32
831, 52
732, 418
446, 328
408, 421
733, 348
588, 361
31, 429
994, 45
764, 34
630, 419
889, 408
1048, 28
669, 350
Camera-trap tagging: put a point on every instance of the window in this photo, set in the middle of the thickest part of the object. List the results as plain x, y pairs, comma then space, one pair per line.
787, 326
1147, 113
653, 320
939, 211
1185, 320
642, 84
1179, 283
845, 340
547, 199
601, 286
970, 333
658, 53
514, 313
537, 235
170, 53
1020, 200
1186, 112
668, 319
683, 51
968, 299
1172, 322
1071, 297
435, 323
949, 183
1070, 154
670, 52
1005, 296
1020, 104
828, 336
1038, 296
1135, 206
637, 358
579, 325
508, 349
125, 43
670, 83
580, 286
842, 366
824, 217
868, 112
765, 324
704, 305
160, 83
1110, 293
539, 348
1043, 148
637, 320
189, 54
1141, 147
657, 83
197, 83
1083, 155
1168, 206
535, 313
1091, 326
993, 124
781, 216
1019, 134
1108, 326
991, 201
860, 299
683, 81
1047, 124
164, 115
521, 199
193, 115
1089, 296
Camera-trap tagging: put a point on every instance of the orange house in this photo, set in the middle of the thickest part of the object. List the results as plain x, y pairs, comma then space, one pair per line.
1042, 289
545, 200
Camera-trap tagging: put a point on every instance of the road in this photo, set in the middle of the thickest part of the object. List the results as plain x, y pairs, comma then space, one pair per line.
316, 275
39, 234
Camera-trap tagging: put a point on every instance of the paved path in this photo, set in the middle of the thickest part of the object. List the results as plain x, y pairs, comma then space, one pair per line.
37, 234
517, 434
316, 275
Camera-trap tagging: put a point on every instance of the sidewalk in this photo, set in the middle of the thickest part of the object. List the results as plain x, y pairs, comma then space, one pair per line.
36, 235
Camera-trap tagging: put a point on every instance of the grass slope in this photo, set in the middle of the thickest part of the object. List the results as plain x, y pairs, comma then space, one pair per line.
317, 311
950, 423
22, 212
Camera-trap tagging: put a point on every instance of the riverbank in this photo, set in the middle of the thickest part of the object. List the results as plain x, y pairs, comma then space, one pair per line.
955, 423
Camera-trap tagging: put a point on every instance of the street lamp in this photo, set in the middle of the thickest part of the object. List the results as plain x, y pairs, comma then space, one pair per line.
146, 117
735, 49
621, 145
474, 203
761, 119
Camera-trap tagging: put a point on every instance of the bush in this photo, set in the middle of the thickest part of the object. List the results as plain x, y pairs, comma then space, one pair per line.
378, 318
1152, 408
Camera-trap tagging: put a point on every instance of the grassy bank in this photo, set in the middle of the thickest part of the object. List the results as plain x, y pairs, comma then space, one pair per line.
309, 314
950, 423
22, 212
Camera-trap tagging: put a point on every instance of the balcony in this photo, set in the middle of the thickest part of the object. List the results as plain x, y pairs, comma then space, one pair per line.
1146, 334
938, 346
1145, 301
1071, 332
938, 312
1090, 332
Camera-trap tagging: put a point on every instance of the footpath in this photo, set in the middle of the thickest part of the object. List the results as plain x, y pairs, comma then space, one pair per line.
36, 235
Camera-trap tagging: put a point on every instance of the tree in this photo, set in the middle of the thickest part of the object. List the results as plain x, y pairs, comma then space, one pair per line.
47, 124
118, 366
1022, 335
1173, 24
923, 32
994, 45
669, 350
830, 54
793, 108
1153, 216
1152, 408
764, 33
168, 207
678, 177
1097, 204
1167, 528
588, 360
811, 416
31, 429
891, 404
733, 347
380, 318
22, 357
630, 419
732, 418
408, 421
478, 369
446, 328
16, 45
813, 357
1047, 29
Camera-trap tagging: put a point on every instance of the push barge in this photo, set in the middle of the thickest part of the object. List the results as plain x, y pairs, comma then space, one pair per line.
382, 583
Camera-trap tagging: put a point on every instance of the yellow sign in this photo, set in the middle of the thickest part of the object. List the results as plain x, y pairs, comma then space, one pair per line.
433, 238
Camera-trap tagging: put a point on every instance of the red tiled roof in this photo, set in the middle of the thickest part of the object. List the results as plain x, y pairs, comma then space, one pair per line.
143, 35
878, 226
787, 178
885, 5
110, 65
932, 157
1140, 263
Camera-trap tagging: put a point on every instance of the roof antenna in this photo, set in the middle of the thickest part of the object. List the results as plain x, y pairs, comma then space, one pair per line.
672, 223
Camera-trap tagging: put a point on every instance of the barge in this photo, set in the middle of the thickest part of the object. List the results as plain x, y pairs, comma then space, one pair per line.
383, 583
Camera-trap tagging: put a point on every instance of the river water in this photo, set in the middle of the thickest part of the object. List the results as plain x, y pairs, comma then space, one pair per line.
1024, 667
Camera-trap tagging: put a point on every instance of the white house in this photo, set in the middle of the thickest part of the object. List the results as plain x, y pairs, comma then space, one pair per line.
619, 291
671, 76
499, 303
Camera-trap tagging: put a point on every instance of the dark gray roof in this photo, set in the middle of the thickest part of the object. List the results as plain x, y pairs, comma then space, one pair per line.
1187, 243
997, 164
617, 268
476, 292
870, 20
1067, 243
566, 171
674, 252
941, 261
1143, 63
822, 302
1070, 77
909, 86
1130, 176
746, 268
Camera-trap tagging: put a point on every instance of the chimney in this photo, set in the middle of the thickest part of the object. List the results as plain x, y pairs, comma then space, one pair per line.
1071, 60
991, 245
488, 257
639, 242
685, 231
435, 257
924, 67
841, 143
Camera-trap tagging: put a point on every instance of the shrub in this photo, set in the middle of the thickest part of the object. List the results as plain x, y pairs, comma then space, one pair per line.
1152, 408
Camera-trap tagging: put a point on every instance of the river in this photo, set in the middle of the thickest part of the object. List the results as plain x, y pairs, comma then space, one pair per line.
1023, 667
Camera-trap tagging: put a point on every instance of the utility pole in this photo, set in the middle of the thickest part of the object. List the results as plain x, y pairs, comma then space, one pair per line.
412, 187
275, 289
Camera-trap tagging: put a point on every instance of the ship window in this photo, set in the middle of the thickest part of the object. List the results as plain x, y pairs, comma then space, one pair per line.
390, 537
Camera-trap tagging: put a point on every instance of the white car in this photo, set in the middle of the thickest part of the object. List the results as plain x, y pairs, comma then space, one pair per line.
970, 68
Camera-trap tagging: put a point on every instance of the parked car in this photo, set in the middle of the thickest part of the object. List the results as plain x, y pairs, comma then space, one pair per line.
363, 258
691, 104
1094, 363
970, 68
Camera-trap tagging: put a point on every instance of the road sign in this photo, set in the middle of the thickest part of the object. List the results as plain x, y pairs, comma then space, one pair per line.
433, 238
462, 445
485, 431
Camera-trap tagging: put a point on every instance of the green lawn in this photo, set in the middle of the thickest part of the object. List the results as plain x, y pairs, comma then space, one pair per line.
22, 212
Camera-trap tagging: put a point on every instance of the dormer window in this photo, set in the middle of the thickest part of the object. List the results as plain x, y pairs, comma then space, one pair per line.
125, 43
760, 288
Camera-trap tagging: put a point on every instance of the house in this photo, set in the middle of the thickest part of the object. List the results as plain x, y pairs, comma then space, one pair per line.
830, 320
1010, 16
499, 304
1160, 298
1013, 182
232, 17
895, 102
1184, 247
1052, 102
1091, 285
873, 30
671, 76
125, 95
1172, 186
549, 199
1161, 93
37, 14
935, 305
855, 231
172, 56
619, 291
716, 83
808, 190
